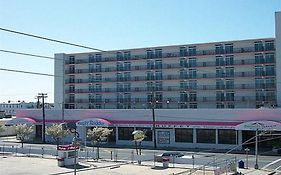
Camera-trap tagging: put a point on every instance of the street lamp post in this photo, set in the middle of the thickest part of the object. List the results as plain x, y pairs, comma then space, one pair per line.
256, 150
247, 158
153, 124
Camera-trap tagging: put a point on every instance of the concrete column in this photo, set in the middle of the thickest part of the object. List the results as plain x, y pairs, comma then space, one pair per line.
59, 80
194, 135
217, 136
278, 55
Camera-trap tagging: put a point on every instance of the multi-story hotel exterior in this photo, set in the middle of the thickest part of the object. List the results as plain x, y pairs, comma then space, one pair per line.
230, 74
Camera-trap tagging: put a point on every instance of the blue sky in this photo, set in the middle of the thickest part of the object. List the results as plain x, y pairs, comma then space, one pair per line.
116, 24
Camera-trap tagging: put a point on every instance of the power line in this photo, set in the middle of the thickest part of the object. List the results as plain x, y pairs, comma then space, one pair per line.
26, 72
49, 39
26, 54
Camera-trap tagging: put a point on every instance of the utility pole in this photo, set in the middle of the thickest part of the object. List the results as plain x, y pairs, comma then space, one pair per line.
43, 96
153, 118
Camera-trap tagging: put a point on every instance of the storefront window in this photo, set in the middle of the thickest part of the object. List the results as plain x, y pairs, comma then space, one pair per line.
227, 136
125, 133
206, 135
184, 135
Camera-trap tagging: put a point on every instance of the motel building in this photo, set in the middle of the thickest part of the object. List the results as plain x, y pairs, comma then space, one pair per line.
174, 128
214, 95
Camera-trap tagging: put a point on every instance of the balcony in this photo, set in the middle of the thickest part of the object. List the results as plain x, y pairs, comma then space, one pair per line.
175, 100
174, 54
170, 88
166, 66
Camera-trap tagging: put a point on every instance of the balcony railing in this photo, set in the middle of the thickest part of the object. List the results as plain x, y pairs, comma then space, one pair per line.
173, 88
168, 66
170, 55
170, 77
178, 100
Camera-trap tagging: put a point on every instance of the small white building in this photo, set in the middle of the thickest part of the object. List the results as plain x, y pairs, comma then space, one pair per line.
10, 108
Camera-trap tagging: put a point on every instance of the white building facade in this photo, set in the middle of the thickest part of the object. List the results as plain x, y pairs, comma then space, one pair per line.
228, 74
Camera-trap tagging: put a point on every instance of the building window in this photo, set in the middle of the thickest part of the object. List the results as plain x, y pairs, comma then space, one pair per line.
259, 71
228, 48
184, 135
127, 55
71, 59
193, 105
219, 84
230, 105
226, 136
148, 133
269, 58
229, 83
158, 53
150, 64
260, 95
229, 96
183, 85
229, 60
158, 86
229, 72
270, 70
183, 105
220, 96
183, 62
158, 64
183, 51
183, 74
98, 58
119, 56
269, 45
219, 49
192, 73
125, 133
183, 97
220, 105
219, 61
192, 96
258, 46
259, 59
206, 135
270, 83
192, 84
192, 50
149, 54
259, 83
192, 62
158, 75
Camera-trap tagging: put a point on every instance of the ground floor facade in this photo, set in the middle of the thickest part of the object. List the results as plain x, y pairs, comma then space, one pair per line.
204, 129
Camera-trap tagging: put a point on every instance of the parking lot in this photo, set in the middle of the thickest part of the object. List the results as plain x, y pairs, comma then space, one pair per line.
10, 165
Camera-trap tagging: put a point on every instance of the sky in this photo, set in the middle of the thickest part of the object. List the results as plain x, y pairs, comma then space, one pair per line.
116, 24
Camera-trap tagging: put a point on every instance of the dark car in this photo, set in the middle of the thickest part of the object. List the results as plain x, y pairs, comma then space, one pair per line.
168, 155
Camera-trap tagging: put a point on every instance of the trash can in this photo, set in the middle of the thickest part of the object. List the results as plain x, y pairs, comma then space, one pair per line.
165, 162
241, 164
60, 162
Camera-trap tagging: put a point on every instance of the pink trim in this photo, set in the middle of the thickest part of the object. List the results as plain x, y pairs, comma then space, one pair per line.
205, 123
179, 123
